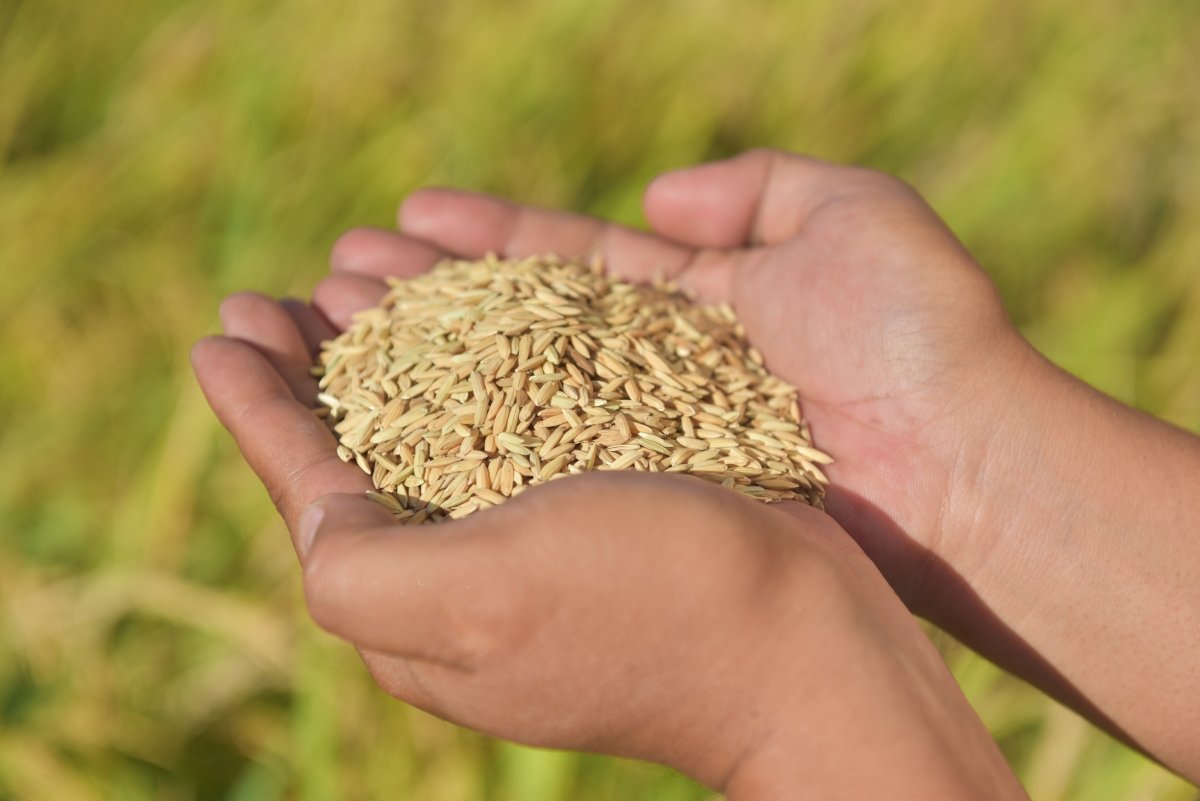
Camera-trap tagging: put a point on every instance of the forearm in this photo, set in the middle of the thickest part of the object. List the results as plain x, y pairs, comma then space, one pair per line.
1083, 573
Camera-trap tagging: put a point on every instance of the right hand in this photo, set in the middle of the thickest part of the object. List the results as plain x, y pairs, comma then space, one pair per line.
847, 282
985, 483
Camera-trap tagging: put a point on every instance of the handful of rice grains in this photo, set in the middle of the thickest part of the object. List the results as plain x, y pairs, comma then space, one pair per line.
480, 378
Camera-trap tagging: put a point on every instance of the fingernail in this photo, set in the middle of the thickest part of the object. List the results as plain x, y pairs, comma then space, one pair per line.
310, 521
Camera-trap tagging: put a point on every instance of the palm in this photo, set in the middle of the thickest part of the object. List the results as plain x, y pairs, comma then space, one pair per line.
839, 312
857, 294
863, 309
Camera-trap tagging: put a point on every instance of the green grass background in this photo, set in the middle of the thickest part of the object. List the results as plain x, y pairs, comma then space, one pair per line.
157, 154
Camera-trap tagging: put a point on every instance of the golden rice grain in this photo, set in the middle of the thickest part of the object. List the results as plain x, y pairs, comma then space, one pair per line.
480, 378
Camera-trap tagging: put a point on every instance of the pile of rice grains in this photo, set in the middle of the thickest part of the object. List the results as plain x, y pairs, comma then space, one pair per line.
478, 379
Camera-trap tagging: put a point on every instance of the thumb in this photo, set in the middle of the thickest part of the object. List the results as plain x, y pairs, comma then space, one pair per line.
436, 593
759, 197
339, 512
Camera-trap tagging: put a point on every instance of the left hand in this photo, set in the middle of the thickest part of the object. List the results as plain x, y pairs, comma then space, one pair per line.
753, 647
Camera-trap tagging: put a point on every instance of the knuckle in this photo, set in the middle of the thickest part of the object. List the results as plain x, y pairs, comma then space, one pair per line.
296, 489
279, 498
491, 623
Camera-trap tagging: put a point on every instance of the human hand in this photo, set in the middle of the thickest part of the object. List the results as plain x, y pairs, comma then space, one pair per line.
845, 280
752, 647
978, 477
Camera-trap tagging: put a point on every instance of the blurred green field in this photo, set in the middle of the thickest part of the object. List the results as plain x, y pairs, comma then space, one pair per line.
157, 154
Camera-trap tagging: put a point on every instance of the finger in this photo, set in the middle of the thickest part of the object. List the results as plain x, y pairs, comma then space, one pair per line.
396, 676
470, 225
292, 452
313, 328
441, 595
339, 296
376, 253
759, 197
265, 324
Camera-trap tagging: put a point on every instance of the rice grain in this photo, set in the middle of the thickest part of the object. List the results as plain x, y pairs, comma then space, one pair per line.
480, 378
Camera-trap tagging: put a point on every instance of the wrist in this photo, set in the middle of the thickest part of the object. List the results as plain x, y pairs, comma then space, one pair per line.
857, 703
877, 725
1038, 462
1073, 535
996, 466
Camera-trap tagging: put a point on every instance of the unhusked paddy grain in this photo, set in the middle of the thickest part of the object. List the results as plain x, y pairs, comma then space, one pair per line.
480, 378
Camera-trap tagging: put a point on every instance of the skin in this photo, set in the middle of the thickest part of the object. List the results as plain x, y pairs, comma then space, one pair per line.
977, 478
752, 647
